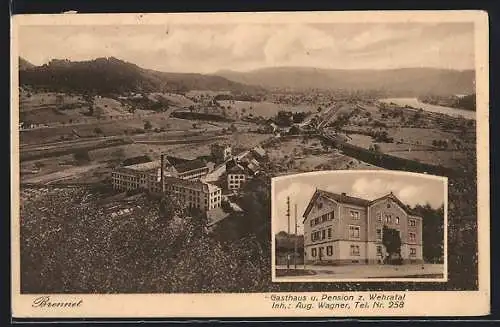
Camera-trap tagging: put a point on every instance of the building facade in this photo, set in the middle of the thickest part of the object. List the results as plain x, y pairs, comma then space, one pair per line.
221, 152
341, 229
236, 177
195, 194
182, 182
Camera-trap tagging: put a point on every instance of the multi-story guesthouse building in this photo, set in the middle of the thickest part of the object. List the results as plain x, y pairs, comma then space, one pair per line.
342, 229
237, 175
181, 177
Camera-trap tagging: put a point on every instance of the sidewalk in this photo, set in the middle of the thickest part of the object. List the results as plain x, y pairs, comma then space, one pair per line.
371, 271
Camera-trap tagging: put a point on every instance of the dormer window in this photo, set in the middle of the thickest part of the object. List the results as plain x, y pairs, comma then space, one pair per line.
320, 205
388, 204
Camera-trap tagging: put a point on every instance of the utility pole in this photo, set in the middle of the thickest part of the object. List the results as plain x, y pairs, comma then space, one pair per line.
288, 222
295, 240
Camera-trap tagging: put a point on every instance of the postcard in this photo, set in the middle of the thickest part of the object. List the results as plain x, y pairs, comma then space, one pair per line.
243, 165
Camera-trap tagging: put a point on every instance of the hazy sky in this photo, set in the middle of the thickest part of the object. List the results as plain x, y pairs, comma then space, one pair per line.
410, 189
208, 48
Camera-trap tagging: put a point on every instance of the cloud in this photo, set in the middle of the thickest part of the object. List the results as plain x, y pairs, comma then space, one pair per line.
409, 193
208, 48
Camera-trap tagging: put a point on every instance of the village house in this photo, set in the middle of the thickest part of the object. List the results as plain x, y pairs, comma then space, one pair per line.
221, 152
341, 229
237, 175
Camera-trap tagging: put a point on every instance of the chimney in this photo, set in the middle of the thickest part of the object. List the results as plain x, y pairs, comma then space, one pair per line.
162, 167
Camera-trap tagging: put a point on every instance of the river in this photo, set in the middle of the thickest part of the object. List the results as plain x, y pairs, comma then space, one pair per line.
415, 103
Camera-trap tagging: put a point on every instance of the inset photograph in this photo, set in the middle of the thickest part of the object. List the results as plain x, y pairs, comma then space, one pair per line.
359, 226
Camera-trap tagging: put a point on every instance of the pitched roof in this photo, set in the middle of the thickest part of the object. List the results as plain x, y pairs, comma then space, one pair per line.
340, 198
174, 161
145, 166
236, 169
190, 165
343, 198
135, 160
393, 197
259, 150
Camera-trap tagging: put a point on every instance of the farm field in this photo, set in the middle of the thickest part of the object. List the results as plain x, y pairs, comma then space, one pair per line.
262, 108
292, 155
444, 158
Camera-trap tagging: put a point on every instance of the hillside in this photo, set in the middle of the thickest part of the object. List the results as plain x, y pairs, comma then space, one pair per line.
111, 75
394, 82
25, 64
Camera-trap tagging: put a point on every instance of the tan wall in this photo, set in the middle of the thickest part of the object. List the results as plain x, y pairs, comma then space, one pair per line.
346, 220
328, 206
396, 211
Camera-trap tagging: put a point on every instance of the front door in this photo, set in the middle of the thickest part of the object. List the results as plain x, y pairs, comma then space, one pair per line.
321, 253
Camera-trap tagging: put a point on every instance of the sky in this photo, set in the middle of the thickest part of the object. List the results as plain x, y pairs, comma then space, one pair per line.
411, 189
242, 47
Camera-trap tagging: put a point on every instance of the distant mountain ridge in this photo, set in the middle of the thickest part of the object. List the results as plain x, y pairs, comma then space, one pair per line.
112, 75
402, 81
25, 64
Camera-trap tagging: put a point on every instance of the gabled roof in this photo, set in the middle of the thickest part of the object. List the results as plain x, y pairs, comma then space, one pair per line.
190, 165
174, 161
236, 169
135, 160
339, 198
395, 199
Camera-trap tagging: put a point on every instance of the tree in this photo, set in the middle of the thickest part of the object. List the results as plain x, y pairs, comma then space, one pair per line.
432, 232
392, 242
147, 125
98, 130
226, 206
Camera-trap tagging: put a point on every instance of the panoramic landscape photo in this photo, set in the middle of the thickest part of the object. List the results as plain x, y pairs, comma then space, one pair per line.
147, 151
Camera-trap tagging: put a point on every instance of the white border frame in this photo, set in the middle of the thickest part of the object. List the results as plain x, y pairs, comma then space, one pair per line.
432, 303
331, 175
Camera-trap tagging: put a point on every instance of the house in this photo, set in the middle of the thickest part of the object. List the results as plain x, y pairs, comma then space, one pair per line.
221, 152
237, 175
259, 152
342, 229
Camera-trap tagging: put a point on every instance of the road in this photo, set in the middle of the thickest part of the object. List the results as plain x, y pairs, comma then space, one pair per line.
369, 271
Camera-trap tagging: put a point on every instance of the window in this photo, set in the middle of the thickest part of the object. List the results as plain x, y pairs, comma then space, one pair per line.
312, 222
354, 214
388, 219
320, 205
331, 215
323, 234
412, 237
329, 250
324, 218
329, 233
379, 217
388, 204
379, 250
413, 223
355, 250
397, 220
413, 252
313, 252
379, 234
354, 232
